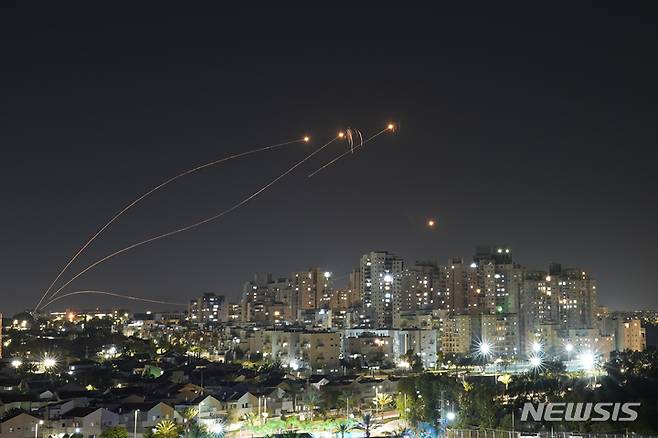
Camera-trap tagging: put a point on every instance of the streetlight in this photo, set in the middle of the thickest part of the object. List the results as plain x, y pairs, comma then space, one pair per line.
16, 363
36, 428
536, 346
588, 360
484, 349
49, 362
536, 362
135, 427
450, 416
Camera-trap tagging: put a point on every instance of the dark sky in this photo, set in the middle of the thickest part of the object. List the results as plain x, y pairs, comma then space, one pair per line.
531, 126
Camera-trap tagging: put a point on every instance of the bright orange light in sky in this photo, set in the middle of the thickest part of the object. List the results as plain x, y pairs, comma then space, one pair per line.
306, 139
431, 223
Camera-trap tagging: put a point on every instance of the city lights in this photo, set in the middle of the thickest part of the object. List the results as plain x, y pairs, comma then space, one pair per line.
536, 362
49, 362
484, 349
208, 309
588, 360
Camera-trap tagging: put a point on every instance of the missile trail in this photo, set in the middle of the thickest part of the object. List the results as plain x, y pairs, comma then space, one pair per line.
101, 292
363, 142
197, 224
151, 191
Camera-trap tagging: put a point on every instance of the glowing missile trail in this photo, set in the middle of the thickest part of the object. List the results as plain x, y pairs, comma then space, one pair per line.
390, 128
197, 224
101, 292
306, 139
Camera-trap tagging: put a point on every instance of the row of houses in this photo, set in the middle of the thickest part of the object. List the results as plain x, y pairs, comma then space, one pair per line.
228, 397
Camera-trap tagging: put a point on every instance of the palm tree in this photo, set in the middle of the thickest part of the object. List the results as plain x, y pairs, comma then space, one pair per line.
312, 399
402, 432
166, 429
346, 399
382, 400
190, 413
195, 430
250, 418
343, 428
366, 424
505, 379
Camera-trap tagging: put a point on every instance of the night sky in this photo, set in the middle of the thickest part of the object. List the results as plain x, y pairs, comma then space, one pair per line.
531, 127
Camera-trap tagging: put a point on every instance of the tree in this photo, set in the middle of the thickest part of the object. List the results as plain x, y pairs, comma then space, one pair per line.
402, 432
367, 424
195, 430
190, 413
232, 415
312, 399
166, 429
414, 361
251, 419
343, 428
382, 400
115, 432
505, 379
346, 400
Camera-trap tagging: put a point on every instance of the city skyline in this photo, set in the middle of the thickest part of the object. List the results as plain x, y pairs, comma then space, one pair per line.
231, 221
339, 281
522, 126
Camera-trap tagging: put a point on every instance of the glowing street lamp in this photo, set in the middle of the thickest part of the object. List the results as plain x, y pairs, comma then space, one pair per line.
49, 362
450, 416
588, 360
16, 363
536, 346
536, 362
484, 349
36, 428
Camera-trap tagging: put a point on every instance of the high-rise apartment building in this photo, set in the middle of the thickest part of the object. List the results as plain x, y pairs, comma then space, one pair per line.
417, 289
209, 308
313, 288
381, 279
